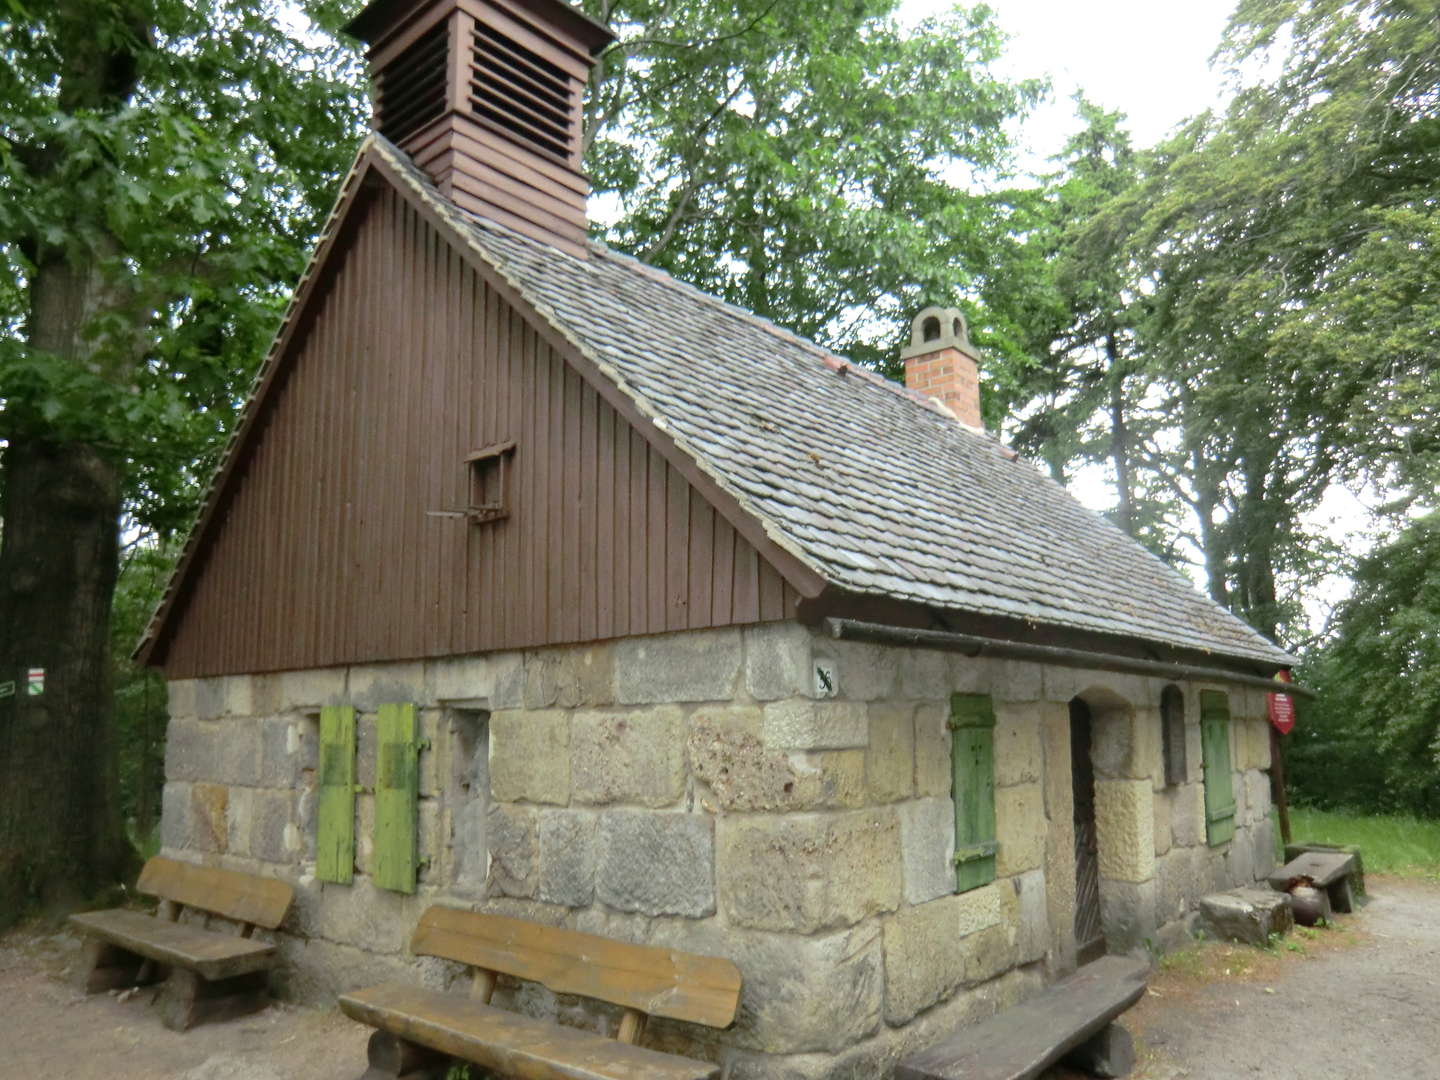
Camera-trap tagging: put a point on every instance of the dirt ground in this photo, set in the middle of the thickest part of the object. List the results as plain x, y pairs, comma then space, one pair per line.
1358, 1001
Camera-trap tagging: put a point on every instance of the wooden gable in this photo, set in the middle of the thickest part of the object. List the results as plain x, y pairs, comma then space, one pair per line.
339, 532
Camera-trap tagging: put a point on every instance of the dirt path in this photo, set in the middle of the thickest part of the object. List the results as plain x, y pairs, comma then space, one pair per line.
1352, 1003
50, 1029
1359, 1001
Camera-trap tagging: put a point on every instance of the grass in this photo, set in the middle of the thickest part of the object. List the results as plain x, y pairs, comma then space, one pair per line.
1389, 843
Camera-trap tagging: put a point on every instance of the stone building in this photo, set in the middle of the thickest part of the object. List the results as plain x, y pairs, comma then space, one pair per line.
537, 581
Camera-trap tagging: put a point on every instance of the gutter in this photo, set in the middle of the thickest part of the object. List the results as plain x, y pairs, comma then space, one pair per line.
970, 645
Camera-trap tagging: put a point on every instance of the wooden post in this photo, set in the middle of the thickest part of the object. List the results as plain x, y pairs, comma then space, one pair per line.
632, 1026
1277, 783
482, 985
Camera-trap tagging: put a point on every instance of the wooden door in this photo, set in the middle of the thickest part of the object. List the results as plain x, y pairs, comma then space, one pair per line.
1089, 935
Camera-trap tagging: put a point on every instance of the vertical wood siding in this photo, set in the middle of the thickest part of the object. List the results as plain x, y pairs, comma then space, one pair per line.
324, 553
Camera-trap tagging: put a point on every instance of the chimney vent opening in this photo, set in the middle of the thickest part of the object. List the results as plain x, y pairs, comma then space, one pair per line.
521, 92
931, 330
410, 91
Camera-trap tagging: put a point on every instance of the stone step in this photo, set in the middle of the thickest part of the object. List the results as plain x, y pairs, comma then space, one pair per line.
1247, 915
1024, 1041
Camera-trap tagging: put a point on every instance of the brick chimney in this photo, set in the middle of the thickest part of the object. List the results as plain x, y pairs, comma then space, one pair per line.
486, 97
940, 363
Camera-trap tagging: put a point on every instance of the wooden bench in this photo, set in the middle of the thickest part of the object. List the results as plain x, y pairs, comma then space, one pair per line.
208, 975
1070, 1021
418, 1030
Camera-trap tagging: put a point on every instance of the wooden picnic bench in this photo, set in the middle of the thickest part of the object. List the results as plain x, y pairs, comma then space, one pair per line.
208, 975
1061, 1023
419, 1030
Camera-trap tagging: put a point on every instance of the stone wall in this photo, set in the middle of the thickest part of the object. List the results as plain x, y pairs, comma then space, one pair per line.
707, 791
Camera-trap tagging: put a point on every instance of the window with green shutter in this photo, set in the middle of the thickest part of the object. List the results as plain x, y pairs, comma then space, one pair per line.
972, 764
1215, 746
397, 794
335, 814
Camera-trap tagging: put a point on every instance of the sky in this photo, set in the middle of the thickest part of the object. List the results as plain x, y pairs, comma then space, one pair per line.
1146, 58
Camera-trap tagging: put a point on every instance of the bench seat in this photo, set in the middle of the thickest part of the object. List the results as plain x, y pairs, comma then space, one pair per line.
511, 1043
211, 955
1023, 1041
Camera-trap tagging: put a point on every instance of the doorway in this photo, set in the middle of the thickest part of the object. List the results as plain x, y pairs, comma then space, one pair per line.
1089, 931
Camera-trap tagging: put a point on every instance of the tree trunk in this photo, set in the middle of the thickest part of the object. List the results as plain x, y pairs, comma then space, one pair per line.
60, 833
1119, 438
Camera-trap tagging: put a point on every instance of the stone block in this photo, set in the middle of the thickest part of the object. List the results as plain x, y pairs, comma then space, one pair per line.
209, 828
727, 754
530, 756
511, 831
1247, 915
1020, 829
1028, 918
924, 675
1113, 747
240, 818
656, 863
190, 747
1055, 745
932, 751
1240, 858
1187, 815
779, 661
1257, 796
1178, 884
182, 697
509, 687
989, 953
809, 873
470, 843
462, 678
890, 755
927, 847
364, 833
702, 665
223, 695
568, 677
1059, 684
567, 858
298, 691
432, 834
865, 672
1018, 755
628, 757
1127, 913
1019, 680
1264, 833
279, 760
360, 914
1125, 821
924, 958
270, 816
1260, 752
373, 685
1163, 833
815, 725
314, 971
175, 816
971, 675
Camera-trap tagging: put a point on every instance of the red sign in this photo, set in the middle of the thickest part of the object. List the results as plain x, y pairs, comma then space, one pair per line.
1282, 707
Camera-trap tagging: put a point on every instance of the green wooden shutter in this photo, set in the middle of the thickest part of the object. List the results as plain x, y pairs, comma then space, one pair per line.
972, 764
397, 794
335, 817
1215, 743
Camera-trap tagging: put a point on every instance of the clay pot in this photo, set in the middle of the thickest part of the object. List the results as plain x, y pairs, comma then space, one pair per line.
1308, 903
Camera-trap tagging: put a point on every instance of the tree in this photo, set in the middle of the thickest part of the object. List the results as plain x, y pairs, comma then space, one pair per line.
809, 161
1372, 739
163, 166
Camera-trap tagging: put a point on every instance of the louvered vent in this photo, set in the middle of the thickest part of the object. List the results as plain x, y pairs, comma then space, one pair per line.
410, 91
521, 93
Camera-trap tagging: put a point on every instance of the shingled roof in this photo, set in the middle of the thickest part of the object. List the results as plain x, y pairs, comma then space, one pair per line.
868, 484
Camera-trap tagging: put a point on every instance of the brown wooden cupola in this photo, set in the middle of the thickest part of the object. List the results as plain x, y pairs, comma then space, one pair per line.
486, 97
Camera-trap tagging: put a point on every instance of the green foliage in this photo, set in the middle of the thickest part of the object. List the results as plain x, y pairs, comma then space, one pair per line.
140, 697
809, 161
195, 189
1389, 843
1372, 740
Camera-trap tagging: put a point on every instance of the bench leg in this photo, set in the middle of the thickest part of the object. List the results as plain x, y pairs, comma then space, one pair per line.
392, 1058
186, 999
1109, 1052
108, 967
1342, 895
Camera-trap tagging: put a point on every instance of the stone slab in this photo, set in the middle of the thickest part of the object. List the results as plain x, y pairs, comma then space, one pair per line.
1246, 915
